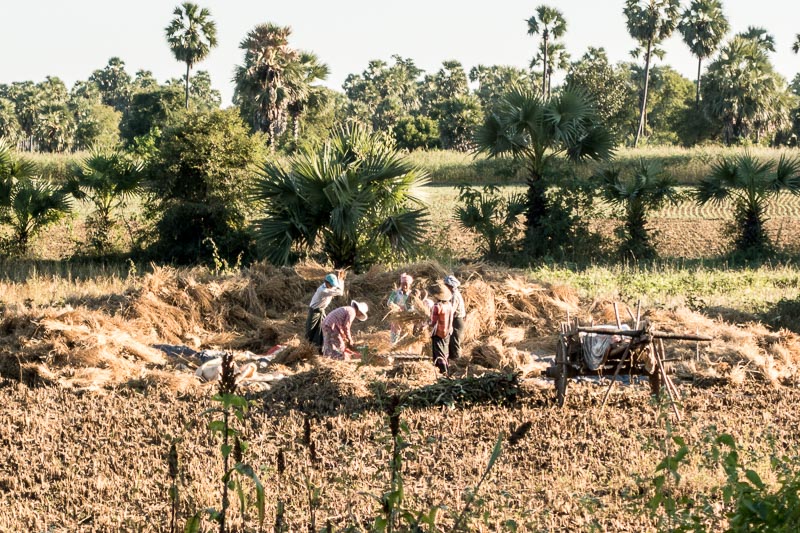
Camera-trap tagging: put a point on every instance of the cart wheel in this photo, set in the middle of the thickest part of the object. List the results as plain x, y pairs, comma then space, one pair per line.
655, 383
561, 372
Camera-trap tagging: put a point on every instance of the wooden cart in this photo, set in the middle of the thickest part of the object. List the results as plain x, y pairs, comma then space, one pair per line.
636, 351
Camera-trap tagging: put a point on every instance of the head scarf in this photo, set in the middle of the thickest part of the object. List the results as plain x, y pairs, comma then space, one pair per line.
406, 278
451, 281
332, 279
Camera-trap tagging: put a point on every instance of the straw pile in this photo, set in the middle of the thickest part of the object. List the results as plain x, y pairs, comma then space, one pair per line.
323, 388
509, 316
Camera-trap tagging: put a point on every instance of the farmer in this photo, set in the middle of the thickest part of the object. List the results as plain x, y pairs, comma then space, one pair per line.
399, 298
459, 314
441, 324
336, 329
332, 286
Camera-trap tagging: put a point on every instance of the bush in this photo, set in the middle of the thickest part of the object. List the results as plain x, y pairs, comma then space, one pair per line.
412, 133
198, 182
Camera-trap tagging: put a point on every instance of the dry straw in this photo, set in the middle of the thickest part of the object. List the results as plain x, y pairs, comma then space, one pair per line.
508, 316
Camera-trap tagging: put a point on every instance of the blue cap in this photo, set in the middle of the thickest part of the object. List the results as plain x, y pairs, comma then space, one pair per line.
332, 279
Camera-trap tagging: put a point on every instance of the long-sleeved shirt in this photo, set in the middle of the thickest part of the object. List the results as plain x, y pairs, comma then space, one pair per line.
400, 299
339, 321
322, 298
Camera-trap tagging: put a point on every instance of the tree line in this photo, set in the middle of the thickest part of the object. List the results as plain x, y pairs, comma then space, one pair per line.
738, 98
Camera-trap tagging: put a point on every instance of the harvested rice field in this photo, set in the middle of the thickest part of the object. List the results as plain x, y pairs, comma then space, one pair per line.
93, 404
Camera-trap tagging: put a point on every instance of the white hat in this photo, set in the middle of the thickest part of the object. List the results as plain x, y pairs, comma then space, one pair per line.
361, 309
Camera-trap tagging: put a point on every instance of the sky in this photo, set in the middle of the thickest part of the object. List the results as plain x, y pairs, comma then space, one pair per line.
72, 39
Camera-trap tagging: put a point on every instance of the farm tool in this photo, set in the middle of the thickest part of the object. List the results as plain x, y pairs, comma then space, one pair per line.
615, 350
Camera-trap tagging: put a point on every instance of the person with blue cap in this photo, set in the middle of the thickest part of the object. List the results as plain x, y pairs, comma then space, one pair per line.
459, 314
332, 286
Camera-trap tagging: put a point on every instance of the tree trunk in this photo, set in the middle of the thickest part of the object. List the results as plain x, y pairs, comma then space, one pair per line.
188, 66
544, 68
644, 93
536, 201
697, 96
295, 127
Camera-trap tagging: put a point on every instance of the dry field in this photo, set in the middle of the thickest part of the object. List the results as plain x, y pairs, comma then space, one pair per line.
96, 461
91, 408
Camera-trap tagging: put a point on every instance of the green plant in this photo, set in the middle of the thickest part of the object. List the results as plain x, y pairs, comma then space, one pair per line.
394, 516
751, 183
107, 179
232, 447
494, 216
539, 132
197, 186
355, 196
27, 204
649, 189
748, 503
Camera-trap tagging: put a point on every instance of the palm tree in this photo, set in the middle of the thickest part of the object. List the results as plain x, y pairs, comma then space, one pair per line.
743, 91
648, 189
538, 131
301, 91
354, 196
764, 39
552, 25
493, 216
191, 36
751, 184
796, 45
261, 80
703, 25
558, 59
106, 179
649, 22
27, 204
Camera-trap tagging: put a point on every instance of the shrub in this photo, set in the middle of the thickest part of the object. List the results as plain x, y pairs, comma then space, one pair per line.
198, 182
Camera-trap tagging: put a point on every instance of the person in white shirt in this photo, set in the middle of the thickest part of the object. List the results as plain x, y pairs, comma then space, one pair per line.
459, 314
332, 286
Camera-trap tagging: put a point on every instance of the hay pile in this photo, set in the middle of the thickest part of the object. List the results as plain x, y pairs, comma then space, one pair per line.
80, 348
739, 352
509, 318
321, 388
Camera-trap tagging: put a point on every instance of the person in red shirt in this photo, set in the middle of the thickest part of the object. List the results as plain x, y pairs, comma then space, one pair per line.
441, 325
336, 335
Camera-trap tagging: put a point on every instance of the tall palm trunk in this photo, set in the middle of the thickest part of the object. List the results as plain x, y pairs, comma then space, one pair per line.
188, 67
544, 69
640, 131
697, 96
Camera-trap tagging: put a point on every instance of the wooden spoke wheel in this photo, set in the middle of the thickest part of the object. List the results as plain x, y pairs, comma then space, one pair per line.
561, 371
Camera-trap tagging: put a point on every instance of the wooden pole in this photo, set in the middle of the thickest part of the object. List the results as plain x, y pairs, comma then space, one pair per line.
667, 384
614, 377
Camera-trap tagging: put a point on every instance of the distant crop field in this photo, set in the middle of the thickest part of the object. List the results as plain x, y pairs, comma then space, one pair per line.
686, 165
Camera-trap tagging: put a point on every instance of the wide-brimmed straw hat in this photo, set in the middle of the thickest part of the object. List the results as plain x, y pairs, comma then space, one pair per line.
439, 291
361, 309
